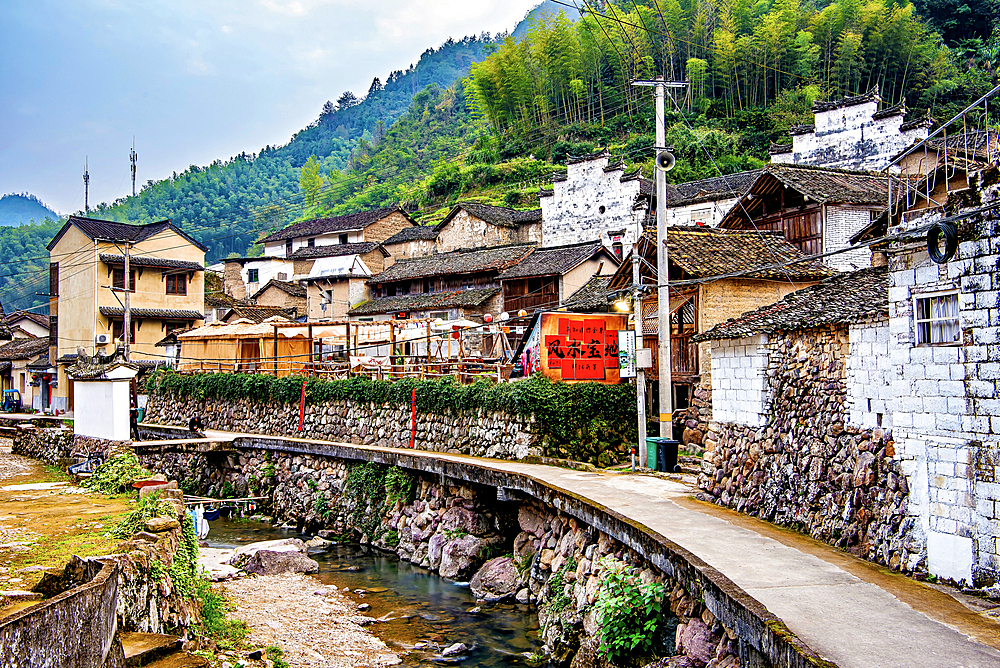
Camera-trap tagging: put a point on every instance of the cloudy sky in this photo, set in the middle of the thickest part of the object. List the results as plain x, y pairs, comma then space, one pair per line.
192, 80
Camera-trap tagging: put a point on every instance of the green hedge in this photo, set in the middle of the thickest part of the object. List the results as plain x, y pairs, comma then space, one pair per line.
579, 420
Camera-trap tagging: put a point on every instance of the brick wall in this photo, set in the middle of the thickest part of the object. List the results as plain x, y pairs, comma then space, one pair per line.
870, 376
947, 417
841, 223
739, 383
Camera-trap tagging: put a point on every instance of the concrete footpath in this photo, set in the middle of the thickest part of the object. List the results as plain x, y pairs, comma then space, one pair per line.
850, 612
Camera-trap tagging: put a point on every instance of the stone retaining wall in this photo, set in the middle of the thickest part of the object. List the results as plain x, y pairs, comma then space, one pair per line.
465, 521
479, 433
806, 468
76, 629
55, 445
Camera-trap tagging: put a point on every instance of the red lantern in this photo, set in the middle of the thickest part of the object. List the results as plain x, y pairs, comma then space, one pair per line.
488, 318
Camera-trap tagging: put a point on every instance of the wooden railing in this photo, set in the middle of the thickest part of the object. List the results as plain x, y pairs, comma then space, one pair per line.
683, 356
401, 366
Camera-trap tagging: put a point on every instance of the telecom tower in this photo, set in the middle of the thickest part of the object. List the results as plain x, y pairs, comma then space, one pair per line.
86, 187
133, 156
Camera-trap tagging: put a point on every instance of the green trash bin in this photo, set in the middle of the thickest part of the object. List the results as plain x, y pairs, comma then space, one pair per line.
664, 450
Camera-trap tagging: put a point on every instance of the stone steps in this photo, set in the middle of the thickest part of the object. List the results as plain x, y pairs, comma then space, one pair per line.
147, 649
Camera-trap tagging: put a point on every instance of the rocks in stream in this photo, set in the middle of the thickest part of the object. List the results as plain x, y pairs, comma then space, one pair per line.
273, 557
497, 580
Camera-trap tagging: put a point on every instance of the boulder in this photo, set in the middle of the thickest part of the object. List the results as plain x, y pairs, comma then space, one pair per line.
695, 640
497, 580
266, 562
531, 520
243, 554
161, 524
460, 556
463, 520
589, 655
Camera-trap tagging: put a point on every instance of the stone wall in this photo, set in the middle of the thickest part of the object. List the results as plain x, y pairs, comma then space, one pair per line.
481, 434
804, 467
57, 445
75, 629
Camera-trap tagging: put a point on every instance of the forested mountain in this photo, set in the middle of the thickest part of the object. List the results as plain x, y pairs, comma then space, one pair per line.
221, 203
563, 90
17, 209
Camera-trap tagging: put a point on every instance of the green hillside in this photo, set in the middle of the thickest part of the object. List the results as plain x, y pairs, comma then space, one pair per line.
17, 209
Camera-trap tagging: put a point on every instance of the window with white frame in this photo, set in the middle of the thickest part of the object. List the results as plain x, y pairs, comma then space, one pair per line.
936, 319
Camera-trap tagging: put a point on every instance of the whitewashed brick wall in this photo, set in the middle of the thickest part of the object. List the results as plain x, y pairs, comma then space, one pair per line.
573, 212
739, 380
947, 417
870, 376
841, 224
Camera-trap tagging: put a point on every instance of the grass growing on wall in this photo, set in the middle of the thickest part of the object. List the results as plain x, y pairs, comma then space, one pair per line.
590, 422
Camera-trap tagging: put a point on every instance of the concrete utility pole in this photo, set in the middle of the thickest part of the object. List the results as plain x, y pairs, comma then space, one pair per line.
640, 375
127, 316
666, 397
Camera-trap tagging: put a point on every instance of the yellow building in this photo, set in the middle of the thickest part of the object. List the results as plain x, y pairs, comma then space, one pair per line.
86, 286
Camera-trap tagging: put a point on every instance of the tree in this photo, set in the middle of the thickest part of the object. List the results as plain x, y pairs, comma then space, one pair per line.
329, 108
347, 100
375, 87
310, 181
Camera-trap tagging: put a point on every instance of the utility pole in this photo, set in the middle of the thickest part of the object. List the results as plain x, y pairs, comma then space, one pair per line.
640, 374
662, 258
133, 156
127, 316
86, 187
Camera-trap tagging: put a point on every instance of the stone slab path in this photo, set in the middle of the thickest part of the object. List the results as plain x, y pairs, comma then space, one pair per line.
850, 612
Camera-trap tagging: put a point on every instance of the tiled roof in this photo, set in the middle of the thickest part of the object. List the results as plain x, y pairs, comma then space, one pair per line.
22, 349
925, 121
220, 300
111, 230
592, 297
894, 110
258, 313
850, 101
157, 313
778, 149
597, 155
974, 143
315, 226
413, 234
823, 184
436, 300
334, 250
803, 129
555, 260
37, 318
147, 261
41, 363
704, 251
713, 189
468, 261
288, 287
858, 296
497, 215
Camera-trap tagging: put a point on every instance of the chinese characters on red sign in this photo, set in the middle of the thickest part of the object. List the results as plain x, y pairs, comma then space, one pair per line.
582, 349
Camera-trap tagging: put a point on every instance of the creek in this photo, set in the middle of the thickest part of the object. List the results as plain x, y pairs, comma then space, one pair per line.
420, 606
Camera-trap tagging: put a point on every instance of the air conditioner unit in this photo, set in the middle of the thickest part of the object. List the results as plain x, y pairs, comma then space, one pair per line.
102, 339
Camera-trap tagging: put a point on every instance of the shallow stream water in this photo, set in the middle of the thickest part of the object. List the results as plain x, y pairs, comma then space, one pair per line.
420, 606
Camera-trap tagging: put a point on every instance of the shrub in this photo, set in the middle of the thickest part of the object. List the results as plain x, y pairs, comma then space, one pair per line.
147, 508
116, 474
628, 611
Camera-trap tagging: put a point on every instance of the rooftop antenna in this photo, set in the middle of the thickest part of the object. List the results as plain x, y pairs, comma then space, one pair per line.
133, 156
86, 187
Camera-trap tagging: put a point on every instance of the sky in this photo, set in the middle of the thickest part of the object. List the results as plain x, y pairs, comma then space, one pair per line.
192, 80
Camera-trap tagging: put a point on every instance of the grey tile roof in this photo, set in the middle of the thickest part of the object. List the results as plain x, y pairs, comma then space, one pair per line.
352, 221
704, 252
22, 349
553, 260
148, 261
712, 189
109, 229
41, 363
854, 297
850, 101
413, 234
592, 297
37, 318
155, 313
436, 300
335, 250
258, 314
468, 261
823, 184
288, 287
498, 215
